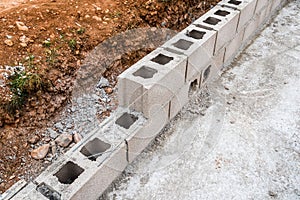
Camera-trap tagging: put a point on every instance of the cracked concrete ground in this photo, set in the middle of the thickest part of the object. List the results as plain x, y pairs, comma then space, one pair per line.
247, 145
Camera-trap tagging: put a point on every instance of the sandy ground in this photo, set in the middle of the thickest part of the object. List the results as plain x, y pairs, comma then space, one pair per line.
247, 145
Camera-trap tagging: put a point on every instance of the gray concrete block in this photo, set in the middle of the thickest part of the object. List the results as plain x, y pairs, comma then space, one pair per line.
257, 21
260, 4
159, 74
197, 44
75, 177
269, 10
246, 9
146, 132
129, 91
233, 46
218, 60
100, 178
222, 19
69, 177
275, 5
262, 16
48, 172
180, 99
210, 74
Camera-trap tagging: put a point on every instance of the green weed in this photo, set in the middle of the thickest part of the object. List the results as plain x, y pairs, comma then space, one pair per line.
72, 44
51, 56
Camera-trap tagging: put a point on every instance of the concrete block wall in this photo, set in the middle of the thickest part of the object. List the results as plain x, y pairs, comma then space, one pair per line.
151, 93
152, 81
224, 21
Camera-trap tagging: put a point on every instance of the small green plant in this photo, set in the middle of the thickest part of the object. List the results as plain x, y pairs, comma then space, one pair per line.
72, 44
51, 56
116, 14
21, 85
80, 31
29, 61
47, 43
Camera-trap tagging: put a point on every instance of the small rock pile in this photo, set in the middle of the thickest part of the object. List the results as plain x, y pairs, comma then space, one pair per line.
80, 116
63, 140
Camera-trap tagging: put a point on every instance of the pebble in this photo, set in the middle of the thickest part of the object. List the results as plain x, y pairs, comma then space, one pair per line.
272, 194
64, 140
40, 152
8, 42
53, 134
103, 83
21, 26
108, 90
77, 137
34, 139
59, 126
23, 44
24, 39
47, 139
97, 18
69, 126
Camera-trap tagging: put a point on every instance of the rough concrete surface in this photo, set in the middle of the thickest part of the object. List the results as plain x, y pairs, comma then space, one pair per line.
237, 139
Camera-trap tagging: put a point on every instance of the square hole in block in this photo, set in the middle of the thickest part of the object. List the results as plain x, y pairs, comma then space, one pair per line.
212, 21
145, 72
222, 13
48, 192
162, 59
196, 34
235, 2
68, 173
126, 120
93, 149
183, 44
206, 73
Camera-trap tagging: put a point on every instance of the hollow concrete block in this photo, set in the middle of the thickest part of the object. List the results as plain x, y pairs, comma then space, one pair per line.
251, 28
197, 44
159, 74
67, 190
246, 8
145, 132
260, 4
268, 9
100, 176
209, 74
222, 19
233, 46
86, 176
218, 61
262, 16
180, 99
